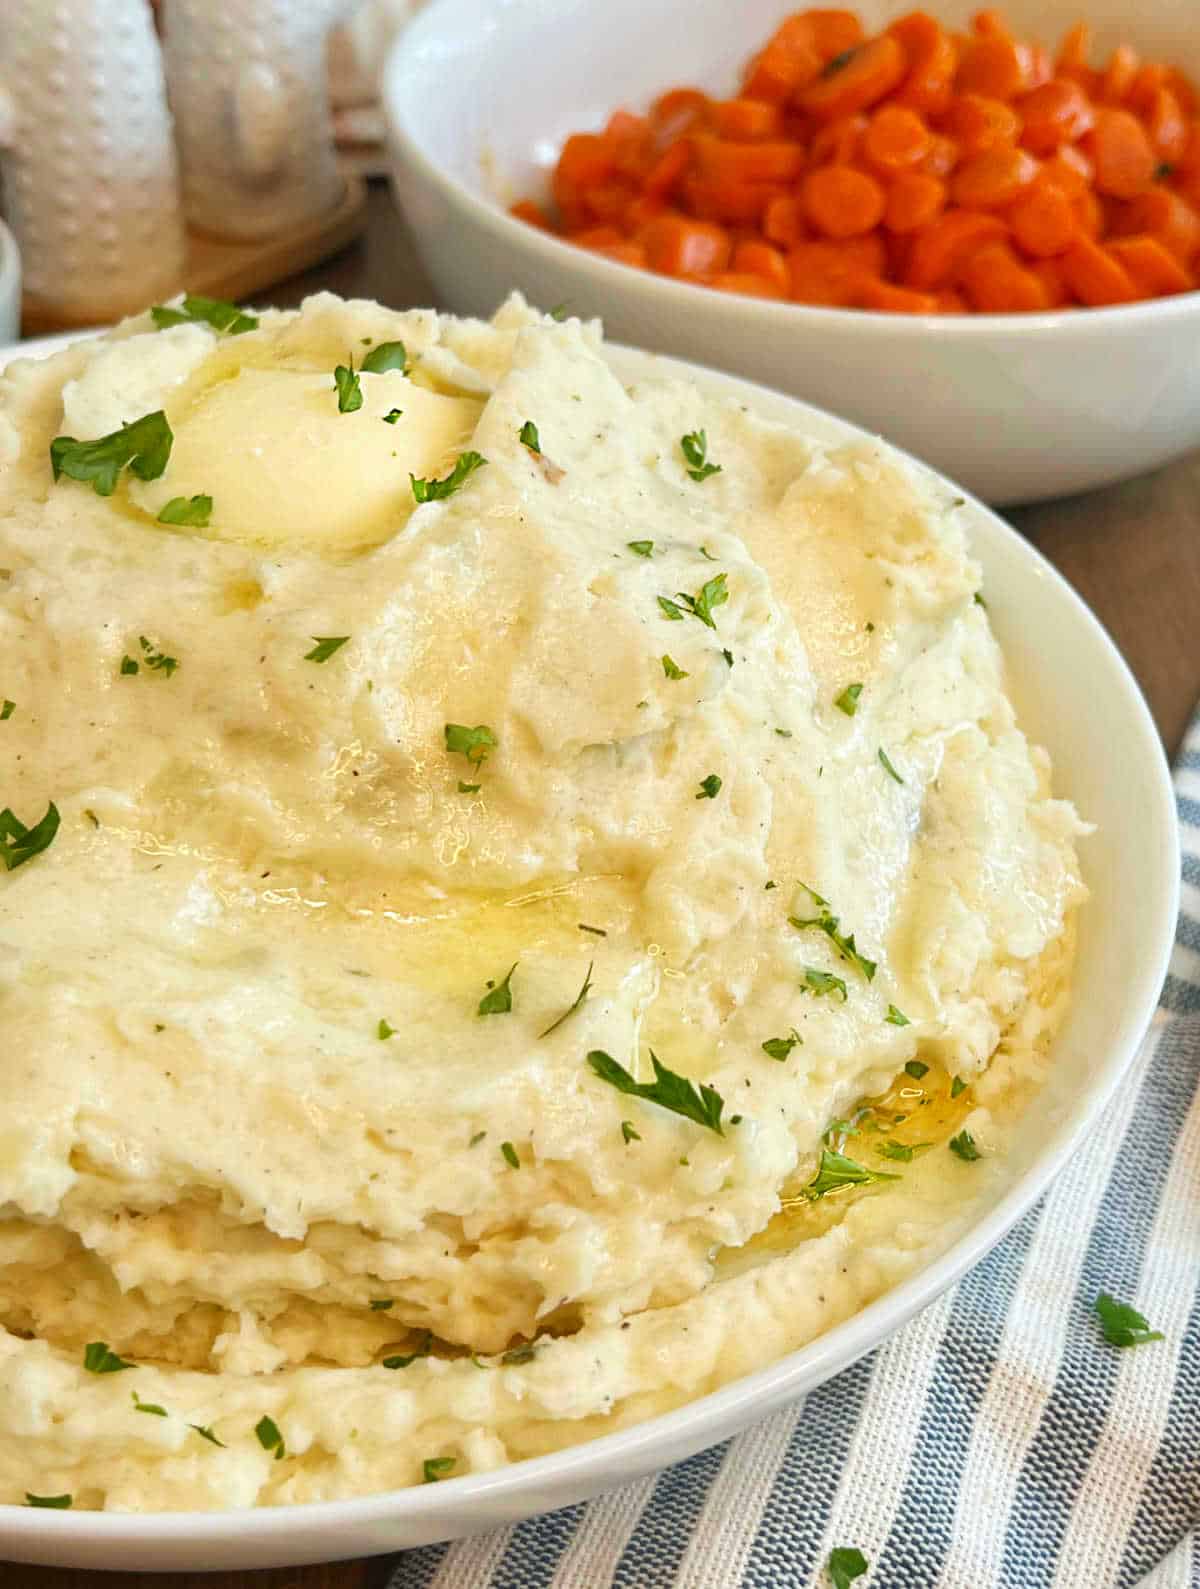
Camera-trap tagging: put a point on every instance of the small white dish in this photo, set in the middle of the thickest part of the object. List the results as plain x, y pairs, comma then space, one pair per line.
10, 286
479, 95
1076, 696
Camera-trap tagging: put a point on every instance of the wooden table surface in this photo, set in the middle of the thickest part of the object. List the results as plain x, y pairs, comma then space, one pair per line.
1132, 551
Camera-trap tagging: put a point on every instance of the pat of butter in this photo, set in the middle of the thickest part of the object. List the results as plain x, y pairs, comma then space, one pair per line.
283, 466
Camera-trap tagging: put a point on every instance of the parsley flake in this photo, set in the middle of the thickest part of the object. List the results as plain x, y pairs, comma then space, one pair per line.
711, 594
435, 1468
728, 655
900, 1151
382, 1304
887, 766
957, 1086
6, 710
836, 1171
916, 1069
710, 787
780, 1047
528, 436
56, 1503
824, 921
641, 548
438, 490
847, 701
895, 1017
387, 356
269, 1437
473, 743
198, 310
672, 669
819, 983
671, 609
964, 1146
498, 1000
1123, 1325
156, 661
600, 932
468, 788
349, 389
325, 647
405, 1360
383, 1031
18, 843
669, 1090
97, 1359
510, 1156
559, 312
579, 998
194, 512
694, 447
392, 415
525, 1353
148, 1406
846, 1562
205, 1431
144, 445
629, 1134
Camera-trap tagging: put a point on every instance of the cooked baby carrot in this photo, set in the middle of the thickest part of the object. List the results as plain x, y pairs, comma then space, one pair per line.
1043, 221
1165, 216
932, 61
876, 294
1094, 276
760, 259
993, 179
941, 247
681, 247
746, 120
1056, 113
992, 66
978, 124
856, 80
896, 139
838, 142
994, 280
1152, 268
1121, 154
842, 202
913, 200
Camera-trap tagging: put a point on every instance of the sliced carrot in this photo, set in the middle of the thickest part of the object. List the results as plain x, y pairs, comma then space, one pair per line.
1189, 160
913, 200
942, 158
746, 120
726, 200
1167, 217
1121, 153
834, 32
857, 80
896, 139
995, 282
837, 142
1168, 130
932, 62
669, 169
941, 247
1043, 221
1056, 113
1053, 285
1119, 75
991, 24
1147, 80
642, 211
1041, 68
978, 124
789, 60
949, 301
1075, 50
532, 214
1094, 276
992, 66
760, 259
783, 222
1089, 212
717, 160
1152, 268
826, 273
875, 294
605, 236
607, 201
1070, 170
1184, 89
677, 103
842, 202
585, 163
678, 246
993, 179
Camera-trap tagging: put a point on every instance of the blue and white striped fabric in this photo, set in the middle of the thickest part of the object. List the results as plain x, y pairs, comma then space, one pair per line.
995, 1442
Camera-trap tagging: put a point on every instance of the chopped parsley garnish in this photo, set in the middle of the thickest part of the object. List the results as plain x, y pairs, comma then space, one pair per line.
18, 843
629, 1134
148, 1406
435, 1468
768, 886
56, 1503
846, 1563
847, 701
900, 1151
156, 661
129, 666
704, 552
958, 1085
387, 356
97, 1359
711, 594
349, 390
194, 512
528, 436
672, 669
784, 733
498, 1000
477, 1139
198, 310
205, 1432
964, 1146
1123, 1325
728, 655
694, 447
525, 1353
836, 1171
895, 1017
325, 646
468, 788
671, 609
392, 415
840, 1128
702, 1104
710, 787
825, 921
641, 548
579, 998
422, 1349
887, 766
144, 445
781, 1047
269, 1437
384, 1030
830, 69
510, 1156
382, 1304
600, 932
473, 743
7, 708
916, 1069
559, 312
979, 601
819, 983
437, 490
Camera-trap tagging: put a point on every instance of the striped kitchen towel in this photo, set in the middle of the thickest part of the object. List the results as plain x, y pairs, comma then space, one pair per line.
995, 1442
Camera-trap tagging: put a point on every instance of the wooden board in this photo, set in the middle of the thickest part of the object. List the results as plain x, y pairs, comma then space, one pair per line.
222, 268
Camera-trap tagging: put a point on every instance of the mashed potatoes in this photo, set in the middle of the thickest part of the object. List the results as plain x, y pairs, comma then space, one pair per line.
395, 835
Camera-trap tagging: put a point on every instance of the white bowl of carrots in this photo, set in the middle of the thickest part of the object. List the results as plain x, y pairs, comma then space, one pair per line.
977, 233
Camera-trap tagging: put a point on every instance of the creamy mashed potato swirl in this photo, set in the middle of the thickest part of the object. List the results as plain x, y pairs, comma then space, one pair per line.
258, 1137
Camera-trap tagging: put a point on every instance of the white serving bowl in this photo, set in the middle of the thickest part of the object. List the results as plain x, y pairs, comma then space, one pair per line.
1077, 697
480, 95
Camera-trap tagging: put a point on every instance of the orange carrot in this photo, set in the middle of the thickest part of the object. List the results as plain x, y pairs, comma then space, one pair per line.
1168, 130
1056, 113
825, 273
875, 294
719, 161
1094, 276
760, 259
838, 142
678, 246
1166, 216
1119, 74
842, 202
992, 66
932, 62
667, 171
994, 280
856, 80
1069, 170
1152, 268
896, 139
1043, 221
1053, 285
993, 179
1121, 153
979, 124
949, 301
942, 158
532, 214
746, 120
941, 247
783, 222
913, 200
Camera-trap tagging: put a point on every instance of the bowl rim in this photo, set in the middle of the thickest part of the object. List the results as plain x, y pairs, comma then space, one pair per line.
705, 1420
684, 297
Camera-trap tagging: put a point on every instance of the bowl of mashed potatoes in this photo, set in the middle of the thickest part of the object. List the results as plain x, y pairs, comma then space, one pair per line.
551, 899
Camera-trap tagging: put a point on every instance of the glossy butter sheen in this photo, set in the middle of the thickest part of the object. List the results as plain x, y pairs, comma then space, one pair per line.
212, 1160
